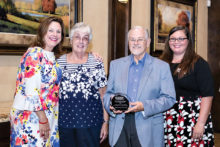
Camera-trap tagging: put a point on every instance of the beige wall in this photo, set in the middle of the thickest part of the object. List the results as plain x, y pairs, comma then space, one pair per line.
141, 14
202, 29
8, 70
96, 15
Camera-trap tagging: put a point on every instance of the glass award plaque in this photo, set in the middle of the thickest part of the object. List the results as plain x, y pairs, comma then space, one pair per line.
120, 102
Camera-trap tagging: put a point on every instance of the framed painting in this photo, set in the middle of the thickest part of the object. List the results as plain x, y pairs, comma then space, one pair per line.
165, 14
19, 20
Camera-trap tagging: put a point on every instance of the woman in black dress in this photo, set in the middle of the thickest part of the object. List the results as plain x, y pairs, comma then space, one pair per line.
188, 122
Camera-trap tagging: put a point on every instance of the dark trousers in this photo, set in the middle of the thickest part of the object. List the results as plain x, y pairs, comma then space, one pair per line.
79, 137
128, 136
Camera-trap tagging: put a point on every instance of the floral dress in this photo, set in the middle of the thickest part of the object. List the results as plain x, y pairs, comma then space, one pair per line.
37, 87
182, 117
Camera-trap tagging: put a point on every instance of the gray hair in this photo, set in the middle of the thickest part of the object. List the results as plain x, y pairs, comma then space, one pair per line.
81, 27
139, 27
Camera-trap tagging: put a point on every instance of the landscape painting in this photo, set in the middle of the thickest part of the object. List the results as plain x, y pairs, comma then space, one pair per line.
24, 16
169, 13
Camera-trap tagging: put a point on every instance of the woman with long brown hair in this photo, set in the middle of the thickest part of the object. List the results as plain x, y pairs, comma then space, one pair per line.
188, 122
34, 114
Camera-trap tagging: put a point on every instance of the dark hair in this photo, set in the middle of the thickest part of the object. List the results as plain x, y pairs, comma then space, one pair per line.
42, 31
190, 56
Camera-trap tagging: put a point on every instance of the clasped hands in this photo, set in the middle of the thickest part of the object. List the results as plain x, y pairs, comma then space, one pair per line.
133, 107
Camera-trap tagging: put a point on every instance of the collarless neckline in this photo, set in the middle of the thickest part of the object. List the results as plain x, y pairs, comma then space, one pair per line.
89, 55
49, 55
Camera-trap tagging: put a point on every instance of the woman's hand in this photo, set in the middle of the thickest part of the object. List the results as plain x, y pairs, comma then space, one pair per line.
198, 131
97, 57
104, 132
44, 129
205, 107
44, 126
104, 129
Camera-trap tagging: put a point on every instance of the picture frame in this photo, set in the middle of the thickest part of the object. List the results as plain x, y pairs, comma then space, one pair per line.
165, 14
16, 44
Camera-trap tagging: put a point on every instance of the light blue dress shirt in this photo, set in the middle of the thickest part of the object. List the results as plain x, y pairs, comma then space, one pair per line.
134, 76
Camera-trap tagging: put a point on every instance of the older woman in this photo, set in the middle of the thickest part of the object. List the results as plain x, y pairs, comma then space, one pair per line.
188, 122
34, 114
82, 120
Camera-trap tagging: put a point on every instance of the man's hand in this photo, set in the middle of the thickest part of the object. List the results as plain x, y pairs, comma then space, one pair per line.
115, 111
135, 107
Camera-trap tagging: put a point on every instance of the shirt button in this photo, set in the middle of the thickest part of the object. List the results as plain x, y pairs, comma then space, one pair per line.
135, 80
136, 70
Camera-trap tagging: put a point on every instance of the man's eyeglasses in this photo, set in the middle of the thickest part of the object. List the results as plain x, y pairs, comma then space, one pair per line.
139, 40
177, 39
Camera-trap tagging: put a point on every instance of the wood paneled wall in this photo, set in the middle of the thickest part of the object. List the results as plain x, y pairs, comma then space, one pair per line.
214, 57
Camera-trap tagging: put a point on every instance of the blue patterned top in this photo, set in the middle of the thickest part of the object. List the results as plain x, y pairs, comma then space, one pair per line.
80, 104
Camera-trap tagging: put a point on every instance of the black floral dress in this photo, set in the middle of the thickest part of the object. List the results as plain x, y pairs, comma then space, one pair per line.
182, 117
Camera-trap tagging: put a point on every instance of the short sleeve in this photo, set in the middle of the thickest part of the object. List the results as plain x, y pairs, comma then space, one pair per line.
204, 78
102, 80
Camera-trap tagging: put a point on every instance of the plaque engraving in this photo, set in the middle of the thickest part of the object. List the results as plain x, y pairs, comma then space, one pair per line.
120, 102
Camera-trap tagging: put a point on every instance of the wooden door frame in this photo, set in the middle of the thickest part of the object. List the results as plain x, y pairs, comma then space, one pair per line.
112, 27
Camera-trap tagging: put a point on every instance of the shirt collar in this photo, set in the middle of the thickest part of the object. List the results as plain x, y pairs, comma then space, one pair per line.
139, 62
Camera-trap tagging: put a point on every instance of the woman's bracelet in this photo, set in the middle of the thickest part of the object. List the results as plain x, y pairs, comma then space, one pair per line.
42, 123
